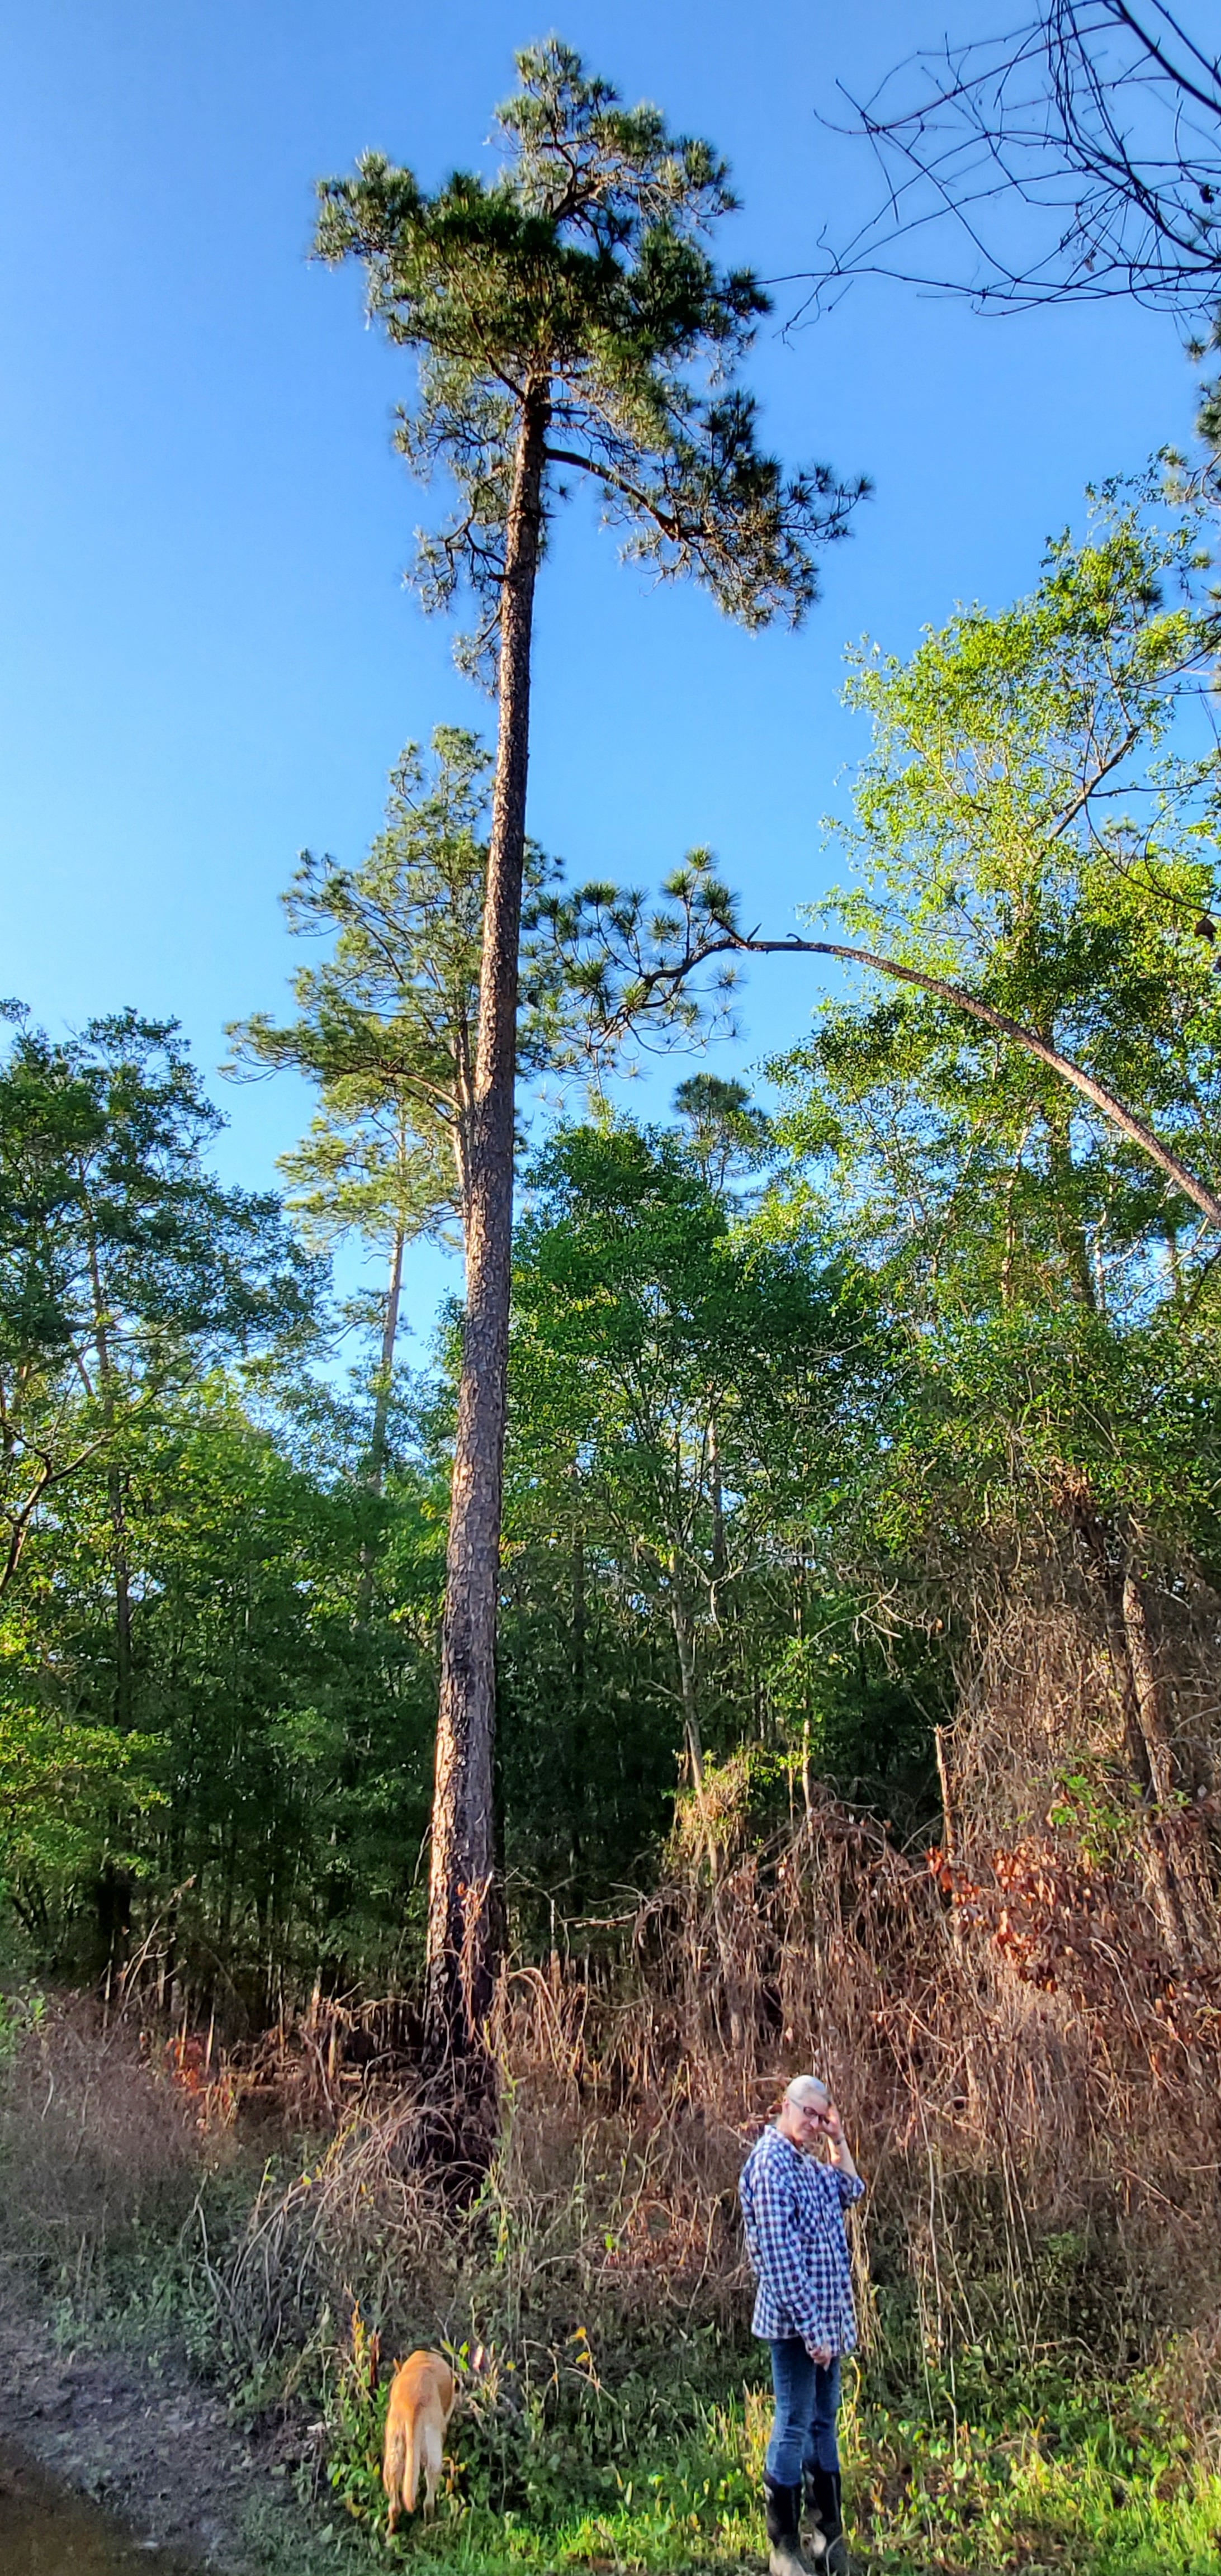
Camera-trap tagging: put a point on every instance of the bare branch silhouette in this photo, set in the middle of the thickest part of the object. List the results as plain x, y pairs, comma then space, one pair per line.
1074, 158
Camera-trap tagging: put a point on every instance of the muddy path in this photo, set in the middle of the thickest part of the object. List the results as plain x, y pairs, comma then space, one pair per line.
140, 2439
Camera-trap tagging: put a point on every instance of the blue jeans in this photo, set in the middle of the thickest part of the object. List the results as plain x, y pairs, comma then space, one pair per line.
807, 2403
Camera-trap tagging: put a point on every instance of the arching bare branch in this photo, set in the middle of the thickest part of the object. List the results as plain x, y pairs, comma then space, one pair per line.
1076, 156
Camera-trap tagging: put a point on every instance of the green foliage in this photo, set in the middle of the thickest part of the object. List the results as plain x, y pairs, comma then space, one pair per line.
291, 1747
112, 1223
642, 1317
694, 1407
68, 1791
124, 1267
1036, 825
387, 1020
190, 1720
730, 1138
1020, 1422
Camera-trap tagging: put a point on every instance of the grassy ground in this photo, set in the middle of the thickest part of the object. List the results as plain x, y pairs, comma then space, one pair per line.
1044, 2468
1040, 2472
633, 2441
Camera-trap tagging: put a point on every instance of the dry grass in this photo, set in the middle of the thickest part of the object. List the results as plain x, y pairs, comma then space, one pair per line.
1037, 2101
96, 2143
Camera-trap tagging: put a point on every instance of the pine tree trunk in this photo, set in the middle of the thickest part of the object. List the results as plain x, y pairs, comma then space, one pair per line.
1175, 1850
115, 1498
459, 1964
385, 1375
579, 1752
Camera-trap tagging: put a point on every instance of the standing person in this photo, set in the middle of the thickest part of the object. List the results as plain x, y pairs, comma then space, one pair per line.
793, 2207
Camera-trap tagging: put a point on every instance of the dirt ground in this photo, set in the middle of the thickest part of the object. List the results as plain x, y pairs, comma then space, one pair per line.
140, 2438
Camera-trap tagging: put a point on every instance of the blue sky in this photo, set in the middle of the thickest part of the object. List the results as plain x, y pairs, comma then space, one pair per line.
209, 659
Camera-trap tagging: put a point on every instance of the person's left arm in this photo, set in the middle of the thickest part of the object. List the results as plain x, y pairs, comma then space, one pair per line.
851, 2185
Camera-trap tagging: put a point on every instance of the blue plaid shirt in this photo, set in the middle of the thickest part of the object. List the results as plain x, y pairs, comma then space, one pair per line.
793, 2210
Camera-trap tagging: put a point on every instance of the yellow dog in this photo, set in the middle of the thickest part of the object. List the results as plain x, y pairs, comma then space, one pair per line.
422, 2395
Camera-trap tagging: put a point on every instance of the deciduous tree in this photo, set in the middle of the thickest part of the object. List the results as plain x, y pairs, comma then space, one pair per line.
124, 1264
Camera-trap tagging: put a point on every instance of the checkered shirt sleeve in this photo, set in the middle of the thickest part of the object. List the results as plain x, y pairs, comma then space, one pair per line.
793, 2212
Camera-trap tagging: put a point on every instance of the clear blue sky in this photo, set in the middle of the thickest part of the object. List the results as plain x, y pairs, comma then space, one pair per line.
209, 659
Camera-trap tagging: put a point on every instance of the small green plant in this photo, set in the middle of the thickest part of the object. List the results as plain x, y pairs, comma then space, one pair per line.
1097, 1807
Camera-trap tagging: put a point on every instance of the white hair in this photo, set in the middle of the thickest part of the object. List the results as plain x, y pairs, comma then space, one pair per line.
805, 2089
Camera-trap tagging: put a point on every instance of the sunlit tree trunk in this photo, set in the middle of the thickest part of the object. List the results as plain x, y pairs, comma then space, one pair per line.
459, 1962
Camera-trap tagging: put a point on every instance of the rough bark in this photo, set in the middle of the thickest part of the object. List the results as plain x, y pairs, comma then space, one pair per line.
1180, 1879
459, 1963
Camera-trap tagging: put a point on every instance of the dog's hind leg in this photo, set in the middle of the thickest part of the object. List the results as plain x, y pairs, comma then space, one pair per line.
392, 2474
411, 2465
433, 2448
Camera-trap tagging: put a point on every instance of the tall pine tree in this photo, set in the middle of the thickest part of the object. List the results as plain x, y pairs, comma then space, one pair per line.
568, 320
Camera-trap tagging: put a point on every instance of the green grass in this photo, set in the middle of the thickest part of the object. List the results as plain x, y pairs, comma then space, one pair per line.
658, 2467
1051, 2473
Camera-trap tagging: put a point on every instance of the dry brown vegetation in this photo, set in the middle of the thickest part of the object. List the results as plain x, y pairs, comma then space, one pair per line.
96, 2145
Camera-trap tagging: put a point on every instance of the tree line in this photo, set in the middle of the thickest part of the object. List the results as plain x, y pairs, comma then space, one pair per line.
789, 1387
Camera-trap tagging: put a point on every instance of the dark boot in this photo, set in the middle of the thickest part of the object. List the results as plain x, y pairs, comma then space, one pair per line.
822, 2497
784, 2530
